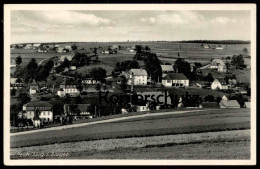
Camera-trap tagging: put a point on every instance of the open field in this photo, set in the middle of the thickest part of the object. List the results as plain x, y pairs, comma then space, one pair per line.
242, 75
207, 151
212, 145
167, 51
193, 122
27, 55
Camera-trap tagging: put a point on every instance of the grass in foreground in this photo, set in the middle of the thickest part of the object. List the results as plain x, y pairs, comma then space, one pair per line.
140, 127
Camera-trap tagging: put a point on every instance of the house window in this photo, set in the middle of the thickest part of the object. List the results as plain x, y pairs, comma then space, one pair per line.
168, 81
48, 113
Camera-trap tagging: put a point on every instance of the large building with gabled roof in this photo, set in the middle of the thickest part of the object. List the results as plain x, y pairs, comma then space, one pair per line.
43, 108
137, 77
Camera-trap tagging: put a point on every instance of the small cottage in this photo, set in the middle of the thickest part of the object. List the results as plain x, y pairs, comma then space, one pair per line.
219, 84
229, 104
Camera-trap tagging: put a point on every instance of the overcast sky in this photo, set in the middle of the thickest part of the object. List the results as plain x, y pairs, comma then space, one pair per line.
83, 26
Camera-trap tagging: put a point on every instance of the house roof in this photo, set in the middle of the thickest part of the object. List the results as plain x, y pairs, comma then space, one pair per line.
39, 104
167, 67
69, 82
115, 79
138, 72
248, 104
222, 81
13, 80
81, 107
205, 67
175, 76
216, 62
229, 103
34, 83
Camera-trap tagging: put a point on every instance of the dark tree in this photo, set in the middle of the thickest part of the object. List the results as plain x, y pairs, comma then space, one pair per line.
147, 49
13, 92
98, 87
153, 66
209, 78
182, 66
41, 74
66, 99
24, 98
198, 64
209, 98
238, 61
18, 60
95, 51
31, 70
98, 74
74, 47
245, 50
218, 99
80, 88
78, 100
53, 79
123, 85
58, 108
49, 65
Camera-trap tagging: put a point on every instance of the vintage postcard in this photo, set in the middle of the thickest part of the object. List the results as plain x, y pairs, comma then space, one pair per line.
114, 84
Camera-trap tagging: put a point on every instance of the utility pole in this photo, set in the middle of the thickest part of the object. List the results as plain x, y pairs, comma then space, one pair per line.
95, 111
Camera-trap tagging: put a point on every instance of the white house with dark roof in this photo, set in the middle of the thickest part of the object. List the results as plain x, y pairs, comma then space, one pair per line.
219, 84
44, 109
137, 77
167, 69
216, 64
14, 84
68, 87
175, 80
83, 110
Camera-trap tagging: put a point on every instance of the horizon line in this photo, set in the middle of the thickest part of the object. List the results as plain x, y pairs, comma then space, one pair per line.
131, 41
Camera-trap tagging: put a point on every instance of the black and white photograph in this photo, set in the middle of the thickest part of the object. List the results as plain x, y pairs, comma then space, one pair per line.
90, 84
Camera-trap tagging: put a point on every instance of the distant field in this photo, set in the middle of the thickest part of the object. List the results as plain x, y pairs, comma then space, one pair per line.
194, 122
190, 51
27, 55
243, 75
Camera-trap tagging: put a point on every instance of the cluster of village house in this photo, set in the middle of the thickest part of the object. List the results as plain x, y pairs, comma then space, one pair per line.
134, 77
43, 48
